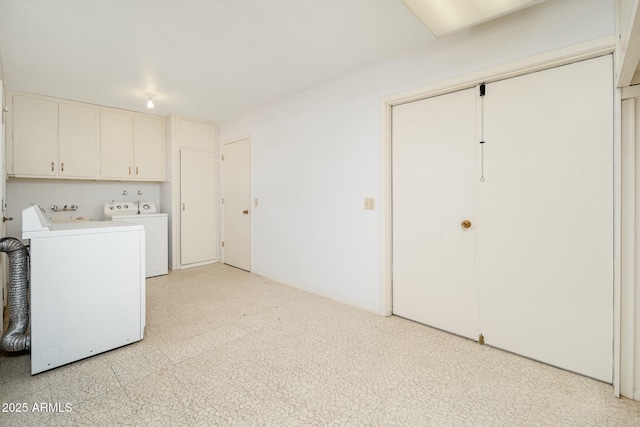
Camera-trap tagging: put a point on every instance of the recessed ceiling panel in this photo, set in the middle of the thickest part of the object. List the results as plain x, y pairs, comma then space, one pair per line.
446, 16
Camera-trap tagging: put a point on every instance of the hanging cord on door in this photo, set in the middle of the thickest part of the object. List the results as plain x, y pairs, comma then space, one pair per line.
482, 92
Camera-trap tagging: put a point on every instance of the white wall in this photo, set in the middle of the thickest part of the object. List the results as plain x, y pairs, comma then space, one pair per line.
315, 153
1, 68
90, 196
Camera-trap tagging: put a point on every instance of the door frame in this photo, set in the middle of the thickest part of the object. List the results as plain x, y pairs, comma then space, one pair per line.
580, 52
630, 131
3, 205
252, 205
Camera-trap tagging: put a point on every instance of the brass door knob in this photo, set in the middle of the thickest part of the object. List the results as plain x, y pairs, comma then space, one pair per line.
246, 212
465, 224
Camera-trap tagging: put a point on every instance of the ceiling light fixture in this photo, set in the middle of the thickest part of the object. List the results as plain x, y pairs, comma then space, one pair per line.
150, 101
445, 17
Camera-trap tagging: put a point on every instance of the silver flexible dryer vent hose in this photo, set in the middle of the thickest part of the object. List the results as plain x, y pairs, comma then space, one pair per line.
16, 338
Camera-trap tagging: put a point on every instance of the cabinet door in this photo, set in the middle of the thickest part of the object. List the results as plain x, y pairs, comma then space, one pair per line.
433, 193
546, 217
198, 218
116, 145
78, 141
35, 136
149, 148
196, 134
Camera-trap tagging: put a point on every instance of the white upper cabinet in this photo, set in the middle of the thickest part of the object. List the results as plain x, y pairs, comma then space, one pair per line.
195, 134
56, 138
132, 146
116, 144
149, 148
35, 136
77, 141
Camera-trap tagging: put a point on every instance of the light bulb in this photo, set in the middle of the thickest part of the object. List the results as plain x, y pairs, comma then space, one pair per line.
150, 102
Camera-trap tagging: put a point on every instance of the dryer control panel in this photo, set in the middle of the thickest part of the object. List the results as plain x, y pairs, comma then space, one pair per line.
34, 219
129, 208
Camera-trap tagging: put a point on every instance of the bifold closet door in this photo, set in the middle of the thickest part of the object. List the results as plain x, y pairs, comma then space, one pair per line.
433, 161
546, 217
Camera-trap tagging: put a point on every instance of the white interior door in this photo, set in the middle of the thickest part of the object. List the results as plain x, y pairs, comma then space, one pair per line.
198, 219
545, 215
433, 152
237, 204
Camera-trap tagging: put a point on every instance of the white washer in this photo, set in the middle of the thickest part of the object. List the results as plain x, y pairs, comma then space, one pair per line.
156, 227
87, 291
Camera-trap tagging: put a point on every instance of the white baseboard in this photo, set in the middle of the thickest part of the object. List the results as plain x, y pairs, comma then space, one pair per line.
374, 310
197, 264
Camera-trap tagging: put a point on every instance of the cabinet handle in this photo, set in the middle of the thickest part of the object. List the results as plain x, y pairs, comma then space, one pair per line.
52, 167
129, 170
62, 167
183, 206
136, 170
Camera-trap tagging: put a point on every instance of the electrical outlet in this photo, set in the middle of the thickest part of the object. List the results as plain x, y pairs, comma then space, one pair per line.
369, 203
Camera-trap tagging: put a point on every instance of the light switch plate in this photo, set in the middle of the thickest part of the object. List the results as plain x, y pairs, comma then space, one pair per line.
369, 203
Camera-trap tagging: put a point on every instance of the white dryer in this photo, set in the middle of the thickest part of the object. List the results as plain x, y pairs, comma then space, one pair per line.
156, 227
87, 291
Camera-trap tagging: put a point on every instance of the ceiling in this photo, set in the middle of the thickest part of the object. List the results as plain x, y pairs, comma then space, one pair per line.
212, 59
